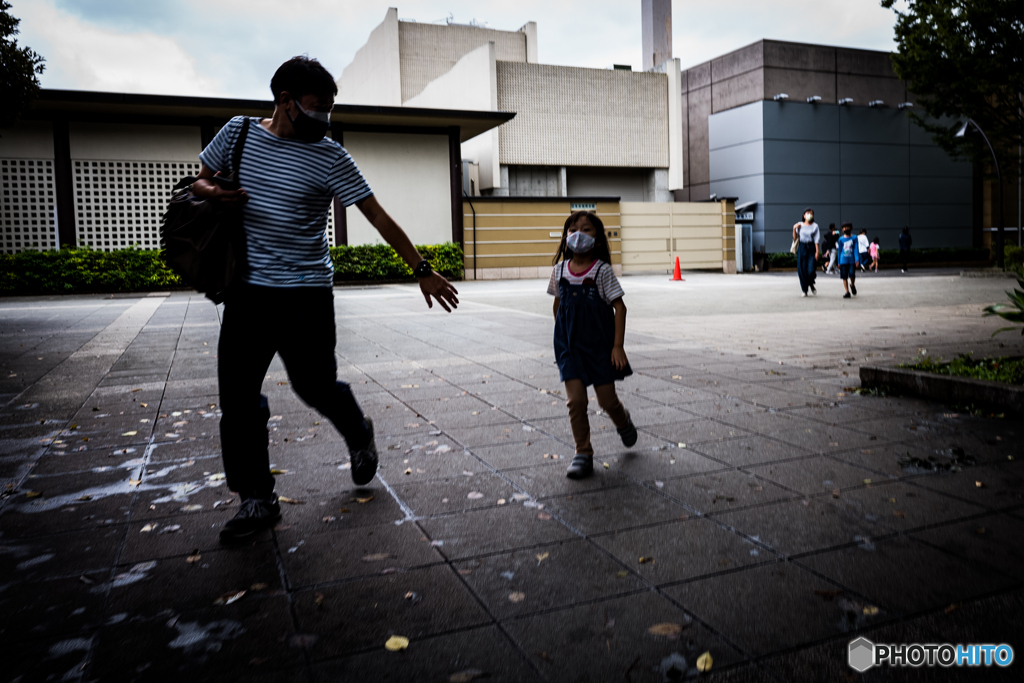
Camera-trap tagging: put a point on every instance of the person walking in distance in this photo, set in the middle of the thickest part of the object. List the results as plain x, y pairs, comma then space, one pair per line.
831, 239
290, 172
590, 330
863, 246
808, 250
849, 259
905, 242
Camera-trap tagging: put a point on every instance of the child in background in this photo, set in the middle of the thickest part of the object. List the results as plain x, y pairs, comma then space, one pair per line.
849, 259
590, 329
873, 250
863, 244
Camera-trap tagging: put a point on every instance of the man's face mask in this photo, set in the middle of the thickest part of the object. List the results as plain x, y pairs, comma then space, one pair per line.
310, 126
579, 242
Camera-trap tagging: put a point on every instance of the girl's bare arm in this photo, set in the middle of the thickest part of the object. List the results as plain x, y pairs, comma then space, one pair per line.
618, 351
554, 308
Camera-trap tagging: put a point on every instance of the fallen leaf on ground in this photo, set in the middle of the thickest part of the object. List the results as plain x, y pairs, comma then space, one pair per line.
466, 676
516, 596
396, 643
32, 494
542, 556
259, 587
147, 528
84, 498
606, 465
375, 557
134, 482
501, 501
870, 610
704, 662
192, 559
899, 513
623, 574
129, 434
645, 560
228, 598
666, 629
291, 501
279, 471
475, 495
364, 500
979, 484
318, 598
543, 516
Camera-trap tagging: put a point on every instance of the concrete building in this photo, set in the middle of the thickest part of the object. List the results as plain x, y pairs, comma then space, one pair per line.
96, 169
840, 141
577, 131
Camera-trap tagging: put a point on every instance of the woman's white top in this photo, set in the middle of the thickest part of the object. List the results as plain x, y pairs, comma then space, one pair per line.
809, 233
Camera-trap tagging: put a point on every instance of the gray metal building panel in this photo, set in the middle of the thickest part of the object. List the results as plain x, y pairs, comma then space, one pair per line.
797, 121
824, 188
877, 189
870, 166
736, 126
738, 160
875, 160
933, 161
799, 156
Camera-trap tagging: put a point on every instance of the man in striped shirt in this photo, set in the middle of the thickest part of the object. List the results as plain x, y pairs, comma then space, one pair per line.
289, 174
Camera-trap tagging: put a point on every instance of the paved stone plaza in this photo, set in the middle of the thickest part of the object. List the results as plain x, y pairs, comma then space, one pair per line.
767, 516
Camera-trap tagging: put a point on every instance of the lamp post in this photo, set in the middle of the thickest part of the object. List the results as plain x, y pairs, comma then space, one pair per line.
999, 182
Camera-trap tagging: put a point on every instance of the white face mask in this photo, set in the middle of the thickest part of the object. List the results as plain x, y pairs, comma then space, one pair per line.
579, 242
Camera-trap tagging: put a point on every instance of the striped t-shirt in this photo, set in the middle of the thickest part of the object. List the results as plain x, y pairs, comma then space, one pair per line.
608, 287
290, 184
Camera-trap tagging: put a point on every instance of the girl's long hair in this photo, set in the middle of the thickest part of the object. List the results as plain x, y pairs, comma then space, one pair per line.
600, 251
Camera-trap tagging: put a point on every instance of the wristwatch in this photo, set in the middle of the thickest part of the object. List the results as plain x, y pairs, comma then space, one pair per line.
423, 269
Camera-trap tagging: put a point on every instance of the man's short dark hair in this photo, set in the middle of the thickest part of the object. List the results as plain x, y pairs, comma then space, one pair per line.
848, 225
302, 76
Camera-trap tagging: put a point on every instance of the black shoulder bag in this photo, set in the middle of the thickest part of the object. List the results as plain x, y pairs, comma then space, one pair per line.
204, 240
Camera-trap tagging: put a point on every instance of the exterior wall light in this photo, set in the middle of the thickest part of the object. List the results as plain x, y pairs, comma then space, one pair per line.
781, 96
846, 100
876, 103
814, 98
905, 105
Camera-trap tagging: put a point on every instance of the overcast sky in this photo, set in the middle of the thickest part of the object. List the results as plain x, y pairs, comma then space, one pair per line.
230, 48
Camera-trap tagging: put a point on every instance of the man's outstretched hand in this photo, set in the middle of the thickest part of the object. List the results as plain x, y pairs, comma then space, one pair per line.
434, 285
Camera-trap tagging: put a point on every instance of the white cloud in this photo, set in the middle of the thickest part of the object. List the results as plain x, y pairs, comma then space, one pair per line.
83, 56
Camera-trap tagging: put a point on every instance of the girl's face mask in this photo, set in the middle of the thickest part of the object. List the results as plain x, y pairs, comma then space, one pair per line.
579, 242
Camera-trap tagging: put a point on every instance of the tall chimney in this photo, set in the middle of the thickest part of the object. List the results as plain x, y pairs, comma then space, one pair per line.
656, 16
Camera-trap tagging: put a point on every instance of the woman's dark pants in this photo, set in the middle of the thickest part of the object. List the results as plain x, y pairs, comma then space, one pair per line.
806, 265
298, 324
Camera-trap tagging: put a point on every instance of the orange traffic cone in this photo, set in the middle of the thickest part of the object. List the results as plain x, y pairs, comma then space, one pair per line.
676, 275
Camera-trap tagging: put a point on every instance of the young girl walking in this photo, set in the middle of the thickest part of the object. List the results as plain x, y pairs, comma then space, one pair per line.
590, 329
873, 251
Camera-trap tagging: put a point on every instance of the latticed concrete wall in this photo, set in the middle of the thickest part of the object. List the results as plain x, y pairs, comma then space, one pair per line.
428, 51
569, 116
26, 205
701, 234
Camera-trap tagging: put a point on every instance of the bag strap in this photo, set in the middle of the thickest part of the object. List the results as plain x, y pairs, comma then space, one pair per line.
236, 152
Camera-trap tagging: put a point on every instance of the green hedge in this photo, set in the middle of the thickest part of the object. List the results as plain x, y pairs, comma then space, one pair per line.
916, 257
373, 262
72, 271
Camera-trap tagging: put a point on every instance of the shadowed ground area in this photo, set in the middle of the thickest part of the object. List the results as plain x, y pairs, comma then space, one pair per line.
767, 516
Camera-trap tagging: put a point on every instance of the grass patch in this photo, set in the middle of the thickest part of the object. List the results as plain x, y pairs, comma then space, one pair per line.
1004, 370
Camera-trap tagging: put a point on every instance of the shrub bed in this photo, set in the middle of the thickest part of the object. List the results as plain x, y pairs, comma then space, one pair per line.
74, 271
1005, 370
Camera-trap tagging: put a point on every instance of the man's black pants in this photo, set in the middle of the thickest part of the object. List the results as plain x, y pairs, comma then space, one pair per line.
298, 324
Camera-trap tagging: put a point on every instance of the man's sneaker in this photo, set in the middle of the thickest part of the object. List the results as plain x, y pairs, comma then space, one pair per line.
853, 288
628, 433
581, 466
805, 294
813, 290
255, 514
364, 461
846, 296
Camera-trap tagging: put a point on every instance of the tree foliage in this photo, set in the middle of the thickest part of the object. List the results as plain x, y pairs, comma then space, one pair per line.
19, 66
965, 58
